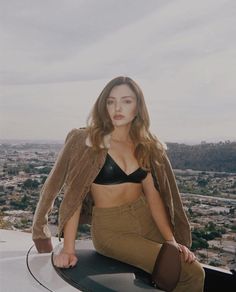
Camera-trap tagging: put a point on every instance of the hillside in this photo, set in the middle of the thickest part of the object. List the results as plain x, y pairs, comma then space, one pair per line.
219, 156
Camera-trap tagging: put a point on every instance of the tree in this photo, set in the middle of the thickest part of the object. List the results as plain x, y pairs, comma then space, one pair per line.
30, 184
202, 182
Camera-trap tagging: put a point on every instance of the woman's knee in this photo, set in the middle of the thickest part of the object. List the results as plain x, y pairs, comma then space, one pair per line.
193, 271
199, 271
191, 277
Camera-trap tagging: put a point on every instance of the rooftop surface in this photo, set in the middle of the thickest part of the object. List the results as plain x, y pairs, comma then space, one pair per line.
23, 269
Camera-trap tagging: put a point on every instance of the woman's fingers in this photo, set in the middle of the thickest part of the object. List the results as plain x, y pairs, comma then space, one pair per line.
60, 260
64, 260
187, 254
192, 257
180, 247
73, 260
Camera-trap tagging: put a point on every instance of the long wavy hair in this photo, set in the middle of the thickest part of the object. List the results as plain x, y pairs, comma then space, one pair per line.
147, 146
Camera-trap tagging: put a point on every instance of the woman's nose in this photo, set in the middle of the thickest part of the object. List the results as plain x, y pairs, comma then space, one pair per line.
117, 106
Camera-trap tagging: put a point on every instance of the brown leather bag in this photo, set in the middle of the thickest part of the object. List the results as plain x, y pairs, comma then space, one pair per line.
166, 271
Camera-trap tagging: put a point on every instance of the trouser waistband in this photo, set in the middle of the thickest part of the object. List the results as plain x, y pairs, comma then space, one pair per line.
141, 201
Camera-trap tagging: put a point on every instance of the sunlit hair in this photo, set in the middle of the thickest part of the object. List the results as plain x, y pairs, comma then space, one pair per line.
147, 147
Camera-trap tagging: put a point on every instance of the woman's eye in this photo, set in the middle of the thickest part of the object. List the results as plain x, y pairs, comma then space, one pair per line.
128, 101
109, 102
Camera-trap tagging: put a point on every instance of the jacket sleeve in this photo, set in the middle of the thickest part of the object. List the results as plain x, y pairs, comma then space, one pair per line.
52, 186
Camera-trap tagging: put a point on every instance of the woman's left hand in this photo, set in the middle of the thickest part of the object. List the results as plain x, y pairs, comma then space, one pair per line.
189, 256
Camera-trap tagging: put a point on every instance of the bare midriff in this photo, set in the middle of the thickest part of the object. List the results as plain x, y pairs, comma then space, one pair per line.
107, 196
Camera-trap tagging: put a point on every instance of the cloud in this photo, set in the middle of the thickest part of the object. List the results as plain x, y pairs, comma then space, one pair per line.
58, 55
44, 40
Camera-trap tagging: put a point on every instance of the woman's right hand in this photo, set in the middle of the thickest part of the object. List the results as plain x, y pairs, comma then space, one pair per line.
65, 260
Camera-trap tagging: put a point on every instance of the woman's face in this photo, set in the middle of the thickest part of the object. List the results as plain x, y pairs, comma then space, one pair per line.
121, 105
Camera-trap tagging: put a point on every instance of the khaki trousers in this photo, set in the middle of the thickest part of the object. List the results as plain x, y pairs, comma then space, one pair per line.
129, 234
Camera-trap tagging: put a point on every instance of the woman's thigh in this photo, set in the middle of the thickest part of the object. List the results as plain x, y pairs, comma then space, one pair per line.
132, 249
127, 233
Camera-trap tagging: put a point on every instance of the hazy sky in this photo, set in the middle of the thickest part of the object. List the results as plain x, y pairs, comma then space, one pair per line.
56, 57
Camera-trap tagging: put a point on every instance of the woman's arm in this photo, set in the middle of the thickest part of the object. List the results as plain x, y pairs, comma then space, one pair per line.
157, 208
160, 216
67, 258
40, 232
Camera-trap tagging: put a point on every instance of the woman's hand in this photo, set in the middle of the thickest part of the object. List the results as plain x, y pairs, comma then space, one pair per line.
65, 260
189, 256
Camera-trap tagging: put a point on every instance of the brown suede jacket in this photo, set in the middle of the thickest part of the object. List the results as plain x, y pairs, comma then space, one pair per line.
74, 171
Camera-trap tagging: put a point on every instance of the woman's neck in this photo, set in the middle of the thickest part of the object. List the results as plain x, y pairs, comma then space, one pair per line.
121, 134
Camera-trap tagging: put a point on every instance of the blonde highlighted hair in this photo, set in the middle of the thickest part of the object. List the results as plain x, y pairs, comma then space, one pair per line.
147, 147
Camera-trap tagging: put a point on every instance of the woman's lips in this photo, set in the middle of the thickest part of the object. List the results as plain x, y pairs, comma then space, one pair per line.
118, 117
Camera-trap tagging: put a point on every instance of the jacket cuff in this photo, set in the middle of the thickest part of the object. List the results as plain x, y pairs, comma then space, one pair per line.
43, 245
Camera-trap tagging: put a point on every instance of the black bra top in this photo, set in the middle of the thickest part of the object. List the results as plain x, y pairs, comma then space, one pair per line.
111, 174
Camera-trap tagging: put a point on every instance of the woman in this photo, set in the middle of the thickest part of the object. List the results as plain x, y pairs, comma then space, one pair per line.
118, 163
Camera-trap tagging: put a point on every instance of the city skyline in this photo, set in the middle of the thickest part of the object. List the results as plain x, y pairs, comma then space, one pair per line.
57, 57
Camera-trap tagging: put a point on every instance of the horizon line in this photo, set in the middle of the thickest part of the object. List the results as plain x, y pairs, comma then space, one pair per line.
61, 141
